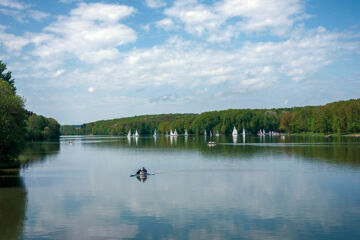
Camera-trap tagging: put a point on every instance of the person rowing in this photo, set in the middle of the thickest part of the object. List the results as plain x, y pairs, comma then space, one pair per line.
142, 171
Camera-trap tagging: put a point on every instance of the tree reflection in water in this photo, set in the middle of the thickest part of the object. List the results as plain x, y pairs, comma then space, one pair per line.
13, 199
13, 193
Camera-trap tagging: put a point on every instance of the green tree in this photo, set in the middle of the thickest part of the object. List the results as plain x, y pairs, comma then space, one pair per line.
6, 76
12, 121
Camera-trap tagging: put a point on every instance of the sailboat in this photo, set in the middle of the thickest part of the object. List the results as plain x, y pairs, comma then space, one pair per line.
136, 134
205, 133
154, 133
186, 133
234, 132
243, 133
210, 133
171, 132
217, 133
129, 134
175, 133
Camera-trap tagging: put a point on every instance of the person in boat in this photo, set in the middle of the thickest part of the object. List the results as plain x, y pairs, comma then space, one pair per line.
142, 170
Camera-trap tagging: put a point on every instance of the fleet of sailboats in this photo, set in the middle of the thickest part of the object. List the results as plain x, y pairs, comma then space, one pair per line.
235, 133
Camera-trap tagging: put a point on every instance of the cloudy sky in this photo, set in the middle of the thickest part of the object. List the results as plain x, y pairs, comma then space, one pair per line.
80, 61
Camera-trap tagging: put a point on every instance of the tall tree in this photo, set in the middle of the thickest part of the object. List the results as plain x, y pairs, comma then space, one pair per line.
12, 121
6, 76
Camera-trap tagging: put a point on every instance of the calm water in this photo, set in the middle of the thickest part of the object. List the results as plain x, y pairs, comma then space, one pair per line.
297, 188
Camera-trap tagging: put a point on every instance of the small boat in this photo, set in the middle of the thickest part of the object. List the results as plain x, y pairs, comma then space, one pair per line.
136, 134
141, 174
217, 133
171, 132
234, 132
154, 133
175, 134
211, 144
243, 133
210, 133
129, 134
186, 133
205, 133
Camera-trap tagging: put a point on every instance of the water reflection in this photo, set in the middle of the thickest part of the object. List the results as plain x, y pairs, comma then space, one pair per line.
12, 204
258, 189
13, 193
141, 178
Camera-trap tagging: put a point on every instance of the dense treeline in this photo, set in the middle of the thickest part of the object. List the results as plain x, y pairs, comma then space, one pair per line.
18, 124
144, 124
40, 128
338, 117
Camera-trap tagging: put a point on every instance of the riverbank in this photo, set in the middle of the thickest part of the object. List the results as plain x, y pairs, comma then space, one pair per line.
310, 134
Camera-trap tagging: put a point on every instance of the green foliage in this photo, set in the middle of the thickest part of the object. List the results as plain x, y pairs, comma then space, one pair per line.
39, 127
12, 120
144, 124
6, 76
338, 117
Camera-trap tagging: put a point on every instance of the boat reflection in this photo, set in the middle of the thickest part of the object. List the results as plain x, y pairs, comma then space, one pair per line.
142, 178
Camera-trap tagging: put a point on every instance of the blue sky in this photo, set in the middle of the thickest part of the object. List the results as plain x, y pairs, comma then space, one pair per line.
80, 61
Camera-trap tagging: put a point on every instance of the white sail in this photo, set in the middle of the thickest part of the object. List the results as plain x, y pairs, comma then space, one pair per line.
243, 132
171, 132
234, 132
186, 133
217, 133
205, 133
210, 133
129, 134
154, 133
136, 133
175, 133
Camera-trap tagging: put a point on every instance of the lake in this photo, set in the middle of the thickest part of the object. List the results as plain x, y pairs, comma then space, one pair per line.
252, 188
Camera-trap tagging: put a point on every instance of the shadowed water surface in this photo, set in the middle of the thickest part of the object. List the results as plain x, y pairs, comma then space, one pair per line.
252, 188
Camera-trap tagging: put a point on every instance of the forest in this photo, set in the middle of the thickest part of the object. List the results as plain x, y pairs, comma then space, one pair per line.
334, 118
18, 124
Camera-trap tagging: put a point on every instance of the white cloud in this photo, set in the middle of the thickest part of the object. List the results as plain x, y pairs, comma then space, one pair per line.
37, 15
13, 4
198, 18
109, 13
190, 65
12, 42
155, 3
226, 19
91, 32
22, 12
166, 24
